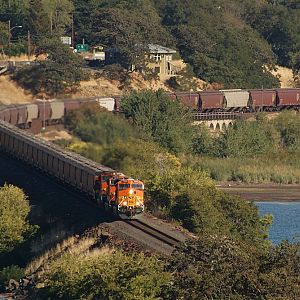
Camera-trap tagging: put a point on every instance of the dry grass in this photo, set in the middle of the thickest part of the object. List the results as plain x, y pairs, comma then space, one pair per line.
72, 245
11, 93
285, 77
53, 135
90, 243
22, 57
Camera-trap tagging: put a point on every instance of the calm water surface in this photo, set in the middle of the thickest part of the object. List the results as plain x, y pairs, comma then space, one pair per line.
286, 220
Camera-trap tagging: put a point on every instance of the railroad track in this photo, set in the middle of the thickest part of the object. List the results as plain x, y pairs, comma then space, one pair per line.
153, 232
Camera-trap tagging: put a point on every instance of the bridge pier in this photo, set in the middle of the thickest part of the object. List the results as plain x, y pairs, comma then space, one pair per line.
217, 121
215, 125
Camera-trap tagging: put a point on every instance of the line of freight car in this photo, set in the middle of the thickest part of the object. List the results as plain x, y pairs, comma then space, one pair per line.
73, 169
35, 115
239, 100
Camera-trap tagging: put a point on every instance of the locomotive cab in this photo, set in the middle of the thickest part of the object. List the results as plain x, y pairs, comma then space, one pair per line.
129, 197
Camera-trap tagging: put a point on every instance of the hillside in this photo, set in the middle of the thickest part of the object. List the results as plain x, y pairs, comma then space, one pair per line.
285, 76
236, 44
11, 93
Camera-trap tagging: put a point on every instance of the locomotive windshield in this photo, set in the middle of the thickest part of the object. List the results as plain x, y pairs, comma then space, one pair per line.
137, 186
124, 186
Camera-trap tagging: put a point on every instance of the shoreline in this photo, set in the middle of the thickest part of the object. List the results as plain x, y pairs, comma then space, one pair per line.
263, 192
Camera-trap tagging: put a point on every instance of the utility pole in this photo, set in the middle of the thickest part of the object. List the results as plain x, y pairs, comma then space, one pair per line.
9, 26
8, 33
51, 24
28, 44
72, 30
44, 121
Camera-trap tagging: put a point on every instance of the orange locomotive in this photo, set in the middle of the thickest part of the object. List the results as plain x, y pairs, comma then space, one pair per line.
123, 195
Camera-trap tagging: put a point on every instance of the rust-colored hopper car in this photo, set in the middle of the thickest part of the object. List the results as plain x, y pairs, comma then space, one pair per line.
262, 99
288, 97
211, 100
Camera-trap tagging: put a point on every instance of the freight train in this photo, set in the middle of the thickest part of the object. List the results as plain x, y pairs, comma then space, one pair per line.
236, 100
240, 100
111, 190
108, 188
43, 113
47, 112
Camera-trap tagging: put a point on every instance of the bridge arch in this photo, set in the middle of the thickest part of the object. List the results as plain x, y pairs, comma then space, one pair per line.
215, 125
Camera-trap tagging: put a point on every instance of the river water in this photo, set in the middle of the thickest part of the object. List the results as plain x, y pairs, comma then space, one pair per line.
286, 220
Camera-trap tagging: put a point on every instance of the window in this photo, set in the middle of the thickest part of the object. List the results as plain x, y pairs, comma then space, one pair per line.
168, 57
124, 186
157, 56
137, 186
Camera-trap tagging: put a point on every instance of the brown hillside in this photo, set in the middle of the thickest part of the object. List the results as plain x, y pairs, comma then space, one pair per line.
11, 93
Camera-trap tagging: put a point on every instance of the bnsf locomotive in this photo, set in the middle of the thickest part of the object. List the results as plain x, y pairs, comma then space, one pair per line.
114, 191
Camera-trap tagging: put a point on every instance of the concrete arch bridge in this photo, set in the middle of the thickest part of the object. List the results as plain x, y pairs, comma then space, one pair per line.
218, 121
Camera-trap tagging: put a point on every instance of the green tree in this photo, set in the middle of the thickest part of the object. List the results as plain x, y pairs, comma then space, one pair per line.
3, 33
165, 121
279, 276
249, 139
206, 143
38, 20
14, 210
214, 267
106, 274
288, 124
125, 26
220, 267
277, 22
59, 12
224, 50
104, 129
61, 72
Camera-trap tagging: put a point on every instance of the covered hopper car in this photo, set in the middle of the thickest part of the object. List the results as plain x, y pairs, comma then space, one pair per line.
240, 100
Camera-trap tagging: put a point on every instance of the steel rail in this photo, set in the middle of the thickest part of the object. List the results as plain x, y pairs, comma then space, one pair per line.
155, 233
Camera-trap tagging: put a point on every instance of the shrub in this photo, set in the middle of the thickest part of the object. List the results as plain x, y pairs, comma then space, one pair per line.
11, 272
14, 210
106, 275
167, 122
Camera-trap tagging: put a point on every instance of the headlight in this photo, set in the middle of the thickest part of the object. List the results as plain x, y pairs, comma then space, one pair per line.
131, 192
125, 203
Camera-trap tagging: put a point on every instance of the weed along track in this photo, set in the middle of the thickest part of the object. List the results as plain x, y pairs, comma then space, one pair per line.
153, 232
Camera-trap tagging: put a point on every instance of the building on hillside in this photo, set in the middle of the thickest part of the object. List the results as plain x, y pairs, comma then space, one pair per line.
159, 59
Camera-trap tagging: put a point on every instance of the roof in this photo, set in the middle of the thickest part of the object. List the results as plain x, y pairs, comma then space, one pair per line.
154, 48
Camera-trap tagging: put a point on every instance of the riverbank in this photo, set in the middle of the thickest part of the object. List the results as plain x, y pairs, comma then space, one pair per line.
264, 192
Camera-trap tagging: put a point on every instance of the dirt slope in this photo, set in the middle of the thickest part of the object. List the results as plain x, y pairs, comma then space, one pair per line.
11, 93
285, 77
